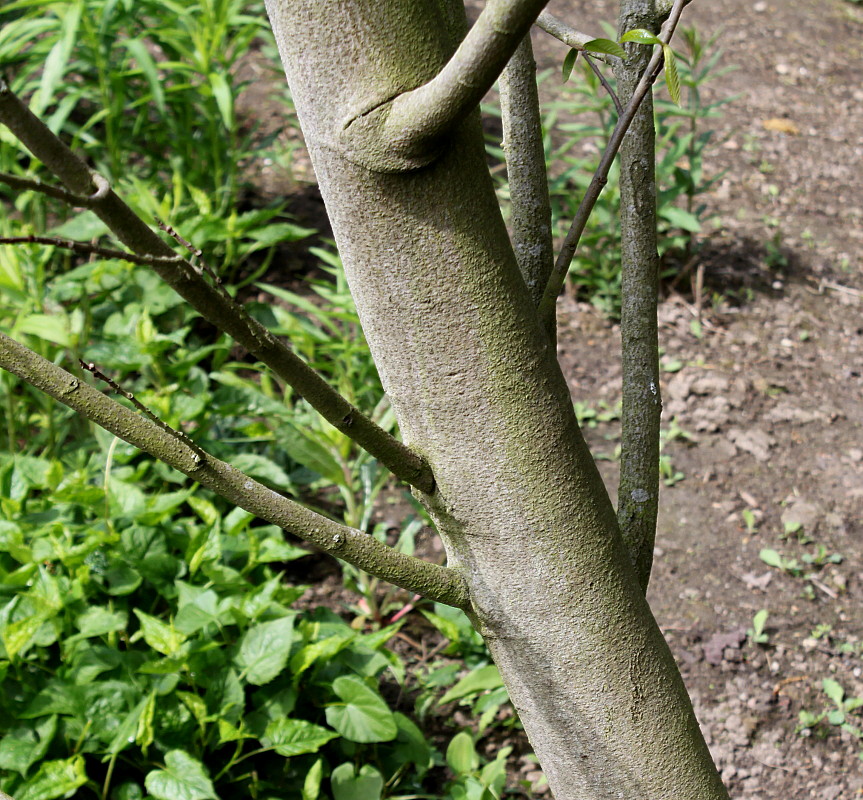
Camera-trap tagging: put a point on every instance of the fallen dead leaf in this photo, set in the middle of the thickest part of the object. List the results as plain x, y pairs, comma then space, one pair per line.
781, 126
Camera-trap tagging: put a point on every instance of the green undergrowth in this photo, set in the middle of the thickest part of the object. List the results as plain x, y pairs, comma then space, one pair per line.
151, 647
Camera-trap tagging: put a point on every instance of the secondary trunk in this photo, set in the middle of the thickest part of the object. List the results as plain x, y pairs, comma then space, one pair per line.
477, 390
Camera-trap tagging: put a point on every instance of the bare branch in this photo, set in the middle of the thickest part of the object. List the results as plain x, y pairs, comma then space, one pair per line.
525, 169
213, 303
86, 249
605, 84
404, 132
548, 306
430, 580
27, 184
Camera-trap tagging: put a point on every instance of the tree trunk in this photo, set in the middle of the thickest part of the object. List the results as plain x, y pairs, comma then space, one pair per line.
478, 392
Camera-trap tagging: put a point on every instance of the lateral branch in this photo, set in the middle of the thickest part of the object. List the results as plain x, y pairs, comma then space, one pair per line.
442, 584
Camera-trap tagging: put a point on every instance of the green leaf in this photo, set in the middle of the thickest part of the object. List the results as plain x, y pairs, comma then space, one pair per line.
479, 680
312, 783
294, 737
51, 328
347, 785
833, 690
20, 748
640, 36
224, 98
461, 755
55, 779
100, 620
165, 639
265, 649
569, 63
231, 733
680, 218
183, 778
771, 558
138, 50
672, 78
197, 614
363, 716
605, 46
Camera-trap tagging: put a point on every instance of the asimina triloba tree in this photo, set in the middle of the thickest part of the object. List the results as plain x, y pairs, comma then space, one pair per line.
460, 321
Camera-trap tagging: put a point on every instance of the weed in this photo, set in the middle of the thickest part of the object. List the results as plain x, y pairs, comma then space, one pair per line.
757, 633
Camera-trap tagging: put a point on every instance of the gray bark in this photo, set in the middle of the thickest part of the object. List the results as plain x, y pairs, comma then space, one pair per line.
638, 492
479, 394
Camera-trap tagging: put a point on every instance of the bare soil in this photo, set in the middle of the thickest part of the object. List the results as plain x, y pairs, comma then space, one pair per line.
770, 391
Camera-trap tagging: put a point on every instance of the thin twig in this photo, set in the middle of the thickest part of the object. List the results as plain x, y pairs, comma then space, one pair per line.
33, 185
600, 177
87, 249
606, 85
179, 435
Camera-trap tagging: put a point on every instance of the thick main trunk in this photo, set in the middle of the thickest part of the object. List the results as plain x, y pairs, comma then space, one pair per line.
477, 391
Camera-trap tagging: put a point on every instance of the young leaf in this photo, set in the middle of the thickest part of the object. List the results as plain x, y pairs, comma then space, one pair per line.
605, 46
461, 755
672, 78
294, 737
183, 778
569, 63
477, 681
771, 558
363, 716
55, 779
640, 36
265, 649
833, 690
347, 785
163, 638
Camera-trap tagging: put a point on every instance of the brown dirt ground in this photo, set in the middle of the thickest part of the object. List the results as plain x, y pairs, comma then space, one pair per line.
771, 394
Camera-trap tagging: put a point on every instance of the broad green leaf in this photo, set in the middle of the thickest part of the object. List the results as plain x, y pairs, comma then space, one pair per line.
100, 620
363, 716
680, 218
163, 638
771, 558
83, 227
411, 746
55, 779
461, 755
20, 748
833, 690
672, 78
265, 649
19, 636
231, 733
479, 680
138, 51
200, 612
605, 46
641, 36
312, 782
348, 785
322, 650
293, 737
183, 778
50, 327
569, 63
